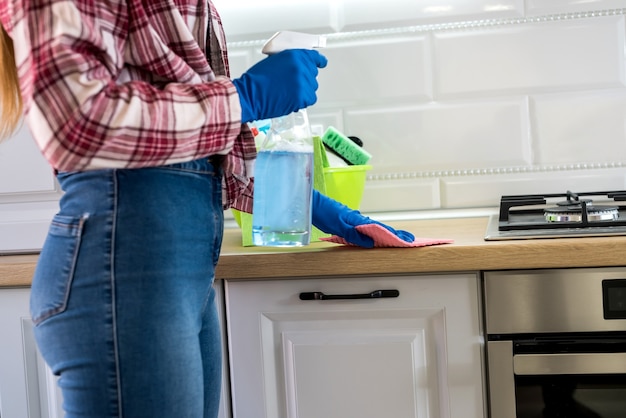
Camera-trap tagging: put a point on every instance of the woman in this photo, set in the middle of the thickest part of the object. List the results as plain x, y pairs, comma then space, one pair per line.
131, 104
124, 104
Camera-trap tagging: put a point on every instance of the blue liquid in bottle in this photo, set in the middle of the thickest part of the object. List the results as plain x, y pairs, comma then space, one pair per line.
282, 197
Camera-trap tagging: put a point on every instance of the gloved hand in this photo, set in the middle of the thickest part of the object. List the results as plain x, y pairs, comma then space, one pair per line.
280, 84
332, 217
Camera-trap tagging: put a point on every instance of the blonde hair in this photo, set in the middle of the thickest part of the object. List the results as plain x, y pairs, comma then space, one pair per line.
10, 98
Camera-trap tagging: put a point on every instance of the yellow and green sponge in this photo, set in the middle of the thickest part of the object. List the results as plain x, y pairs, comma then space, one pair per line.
345, 147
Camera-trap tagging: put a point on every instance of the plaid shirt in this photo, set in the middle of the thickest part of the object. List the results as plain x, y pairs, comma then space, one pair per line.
127, 84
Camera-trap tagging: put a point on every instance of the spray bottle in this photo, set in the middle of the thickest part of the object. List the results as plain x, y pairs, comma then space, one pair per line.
283, 173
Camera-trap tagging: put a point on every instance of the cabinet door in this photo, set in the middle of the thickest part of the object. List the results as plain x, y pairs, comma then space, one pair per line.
224, 411
27, 387
414, 355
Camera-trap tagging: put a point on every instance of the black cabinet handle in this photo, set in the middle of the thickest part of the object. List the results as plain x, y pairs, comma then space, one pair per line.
376, 294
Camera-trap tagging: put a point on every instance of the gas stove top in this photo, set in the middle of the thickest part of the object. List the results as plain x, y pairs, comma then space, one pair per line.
559, 215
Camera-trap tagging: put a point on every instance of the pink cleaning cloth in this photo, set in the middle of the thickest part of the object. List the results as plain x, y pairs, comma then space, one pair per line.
385, 238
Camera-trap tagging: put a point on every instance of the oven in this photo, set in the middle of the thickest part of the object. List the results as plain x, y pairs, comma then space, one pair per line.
556, 342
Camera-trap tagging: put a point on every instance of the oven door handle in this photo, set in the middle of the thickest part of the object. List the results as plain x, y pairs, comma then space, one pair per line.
569, 363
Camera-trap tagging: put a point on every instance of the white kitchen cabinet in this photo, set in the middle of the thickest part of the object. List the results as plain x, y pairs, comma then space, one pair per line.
415, 355
27, 386
225, 407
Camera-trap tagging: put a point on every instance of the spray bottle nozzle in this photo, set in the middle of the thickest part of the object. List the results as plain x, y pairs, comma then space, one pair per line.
283, 40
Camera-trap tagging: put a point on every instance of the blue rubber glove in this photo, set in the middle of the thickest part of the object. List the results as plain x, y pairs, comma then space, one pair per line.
332, 217
280, 84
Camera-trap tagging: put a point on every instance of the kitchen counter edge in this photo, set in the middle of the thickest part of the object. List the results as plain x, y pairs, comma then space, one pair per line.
468, 252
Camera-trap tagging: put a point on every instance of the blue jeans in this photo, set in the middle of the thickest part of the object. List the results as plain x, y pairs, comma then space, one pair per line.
122, 298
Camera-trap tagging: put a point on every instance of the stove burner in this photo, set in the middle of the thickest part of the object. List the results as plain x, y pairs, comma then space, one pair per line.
574, 213
559, 215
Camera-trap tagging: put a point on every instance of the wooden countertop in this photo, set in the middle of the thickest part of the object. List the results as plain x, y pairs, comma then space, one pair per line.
469, 252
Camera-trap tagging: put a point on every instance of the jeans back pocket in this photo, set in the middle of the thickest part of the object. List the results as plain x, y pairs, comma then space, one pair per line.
55, 268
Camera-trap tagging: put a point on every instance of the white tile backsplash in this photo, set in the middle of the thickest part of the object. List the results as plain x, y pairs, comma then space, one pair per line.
587, 127
547, 7
478, 191
462, 101
543, 56
242, 59
439, 137
322, 120
250, 19
359, 71
358, 14
407, 195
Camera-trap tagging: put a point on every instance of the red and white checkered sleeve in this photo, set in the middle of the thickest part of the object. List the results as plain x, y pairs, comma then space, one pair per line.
126, 86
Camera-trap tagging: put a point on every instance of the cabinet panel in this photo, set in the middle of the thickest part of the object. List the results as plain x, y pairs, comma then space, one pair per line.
44, 396
417, 355
327, 355
27, 387
224, 411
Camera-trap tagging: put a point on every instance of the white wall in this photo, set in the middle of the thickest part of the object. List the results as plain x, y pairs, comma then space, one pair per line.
28, 194
459, 101
462, 101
